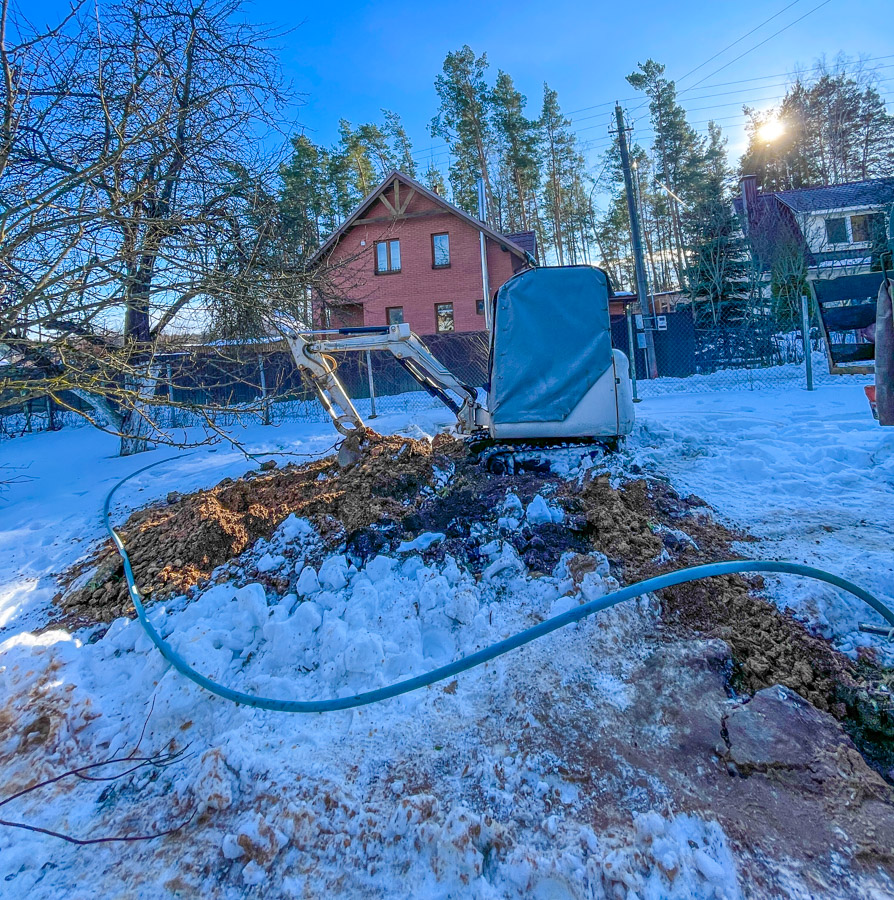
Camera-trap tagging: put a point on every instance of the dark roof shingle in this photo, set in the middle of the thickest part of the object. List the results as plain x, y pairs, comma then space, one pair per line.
527, 240
874, 192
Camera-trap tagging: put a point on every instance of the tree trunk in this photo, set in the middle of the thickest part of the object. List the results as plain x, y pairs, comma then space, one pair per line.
136, 426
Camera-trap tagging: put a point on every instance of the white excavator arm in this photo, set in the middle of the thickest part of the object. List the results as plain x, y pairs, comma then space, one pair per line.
311, 353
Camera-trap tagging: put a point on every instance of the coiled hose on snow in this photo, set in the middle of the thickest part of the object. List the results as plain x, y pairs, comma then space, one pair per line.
694, 573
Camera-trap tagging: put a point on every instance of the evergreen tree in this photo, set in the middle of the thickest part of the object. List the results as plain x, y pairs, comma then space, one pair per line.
361, 155
401, 147
305, 209
612, 237
433, 179
517, 141
560, 160
463, 121
835, 129
718, 277
680, 162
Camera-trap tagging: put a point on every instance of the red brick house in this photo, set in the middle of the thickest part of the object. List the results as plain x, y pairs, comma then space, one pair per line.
407, 255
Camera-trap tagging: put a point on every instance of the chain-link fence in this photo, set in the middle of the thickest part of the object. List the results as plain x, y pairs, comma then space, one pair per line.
241, 383
260, 383
727, 355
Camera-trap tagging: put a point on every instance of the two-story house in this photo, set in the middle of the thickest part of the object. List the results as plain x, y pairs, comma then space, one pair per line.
406, 254
841, 229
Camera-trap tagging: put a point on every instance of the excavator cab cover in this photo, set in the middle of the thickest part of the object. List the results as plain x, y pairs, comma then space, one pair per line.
551, 341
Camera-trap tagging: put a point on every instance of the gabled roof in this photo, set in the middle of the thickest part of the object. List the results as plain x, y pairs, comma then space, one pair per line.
771, 223
527, 240
370, 198
874, 192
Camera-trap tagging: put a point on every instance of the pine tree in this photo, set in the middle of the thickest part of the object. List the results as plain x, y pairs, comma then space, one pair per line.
679, 152
433, 179
559, 153
835, 129
401, 147
463, 121
717, 279
363, 156
305, 209
612, 237
517, 143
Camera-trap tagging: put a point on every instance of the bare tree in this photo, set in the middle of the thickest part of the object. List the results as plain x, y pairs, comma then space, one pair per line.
135, 195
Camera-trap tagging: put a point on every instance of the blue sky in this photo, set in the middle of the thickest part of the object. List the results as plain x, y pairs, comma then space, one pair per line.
353, 58
350, 59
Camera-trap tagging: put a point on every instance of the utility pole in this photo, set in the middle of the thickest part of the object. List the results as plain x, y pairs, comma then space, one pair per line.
636, 240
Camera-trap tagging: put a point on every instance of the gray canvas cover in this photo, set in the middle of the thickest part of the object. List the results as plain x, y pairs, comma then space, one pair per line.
551, 342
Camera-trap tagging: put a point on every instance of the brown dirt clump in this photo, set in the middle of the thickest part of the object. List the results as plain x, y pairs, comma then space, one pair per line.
769, 645
388, 490
634, 524
179, 543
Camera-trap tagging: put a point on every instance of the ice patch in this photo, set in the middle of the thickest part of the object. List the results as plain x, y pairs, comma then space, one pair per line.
421, 543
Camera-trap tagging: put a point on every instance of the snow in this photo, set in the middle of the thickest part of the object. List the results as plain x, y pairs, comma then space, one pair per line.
539, 512
423, 542
810, 474
768, 381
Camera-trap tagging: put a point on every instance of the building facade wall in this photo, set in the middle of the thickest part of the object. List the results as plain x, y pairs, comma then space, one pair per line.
418, 287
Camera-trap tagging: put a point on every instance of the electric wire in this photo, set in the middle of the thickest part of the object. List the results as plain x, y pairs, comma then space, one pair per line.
756, 46
738, 40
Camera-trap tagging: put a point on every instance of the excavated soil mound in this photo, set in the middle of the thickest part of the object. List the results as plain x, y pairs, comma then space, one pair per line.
390, 489
646, 529
769, 645
179, 543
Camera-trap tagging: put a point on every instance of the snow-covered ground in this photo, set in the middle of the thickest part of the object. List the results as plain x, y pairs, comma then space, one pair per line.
810, 473
385, 801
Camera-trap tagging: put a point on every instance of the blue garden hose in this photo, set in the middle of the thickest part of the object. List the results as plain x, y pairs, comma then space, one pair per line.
694, 573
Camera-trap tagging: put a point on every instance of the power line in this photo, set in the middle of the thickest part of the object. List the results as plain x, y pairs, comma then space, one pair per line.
736, 41
445, 150
730, 83
755, 47
442, 151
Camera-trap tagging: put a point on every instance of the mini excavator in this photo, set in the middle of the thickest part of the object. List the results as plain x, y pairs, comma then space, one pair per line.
554, 377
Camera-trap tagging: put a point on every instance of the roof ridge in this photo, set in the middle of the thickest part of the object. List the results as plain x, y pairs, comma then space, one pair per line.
841, 184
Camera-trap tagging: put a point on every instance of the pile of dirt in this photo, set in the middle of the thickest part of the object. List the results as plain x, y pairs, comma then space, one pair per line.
389, 489
179, 543
647, 529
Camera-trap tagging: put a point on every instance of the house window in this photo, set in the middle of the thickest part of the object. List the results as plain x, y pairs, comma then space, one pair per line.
395, 315
479, 307
863, 229
867, 228
440, 251
836, 231
387, 257
444, 316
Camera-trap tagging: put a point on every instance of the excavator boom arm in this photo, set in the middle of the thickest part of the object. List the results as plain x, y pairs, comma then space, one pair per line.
310, 351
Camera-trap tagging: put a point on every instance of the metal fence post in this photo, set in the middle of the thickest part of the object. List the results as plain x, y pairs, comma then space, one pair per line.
372, 387
264, 399
632, 347
805, 333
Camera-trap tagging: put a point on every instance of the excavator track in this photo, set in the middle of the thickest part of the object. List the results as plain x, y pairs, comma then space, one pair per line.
510, 457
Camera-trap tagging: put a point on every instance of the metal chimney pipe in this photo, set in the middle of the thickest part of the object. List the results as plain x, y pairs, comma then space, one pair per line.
485, 280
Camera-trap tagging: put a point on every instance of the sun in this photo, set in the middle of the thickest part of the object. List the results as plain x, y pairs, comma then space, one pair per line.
771, 130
